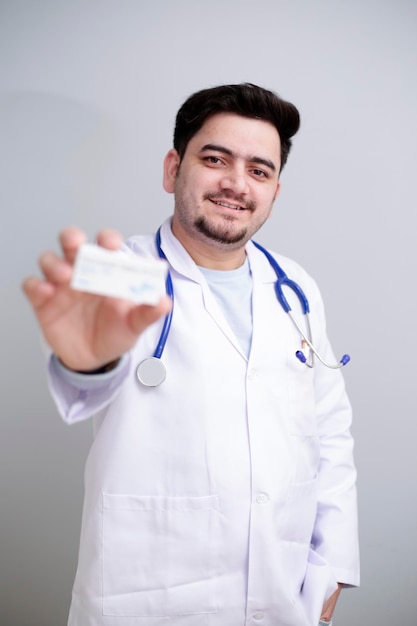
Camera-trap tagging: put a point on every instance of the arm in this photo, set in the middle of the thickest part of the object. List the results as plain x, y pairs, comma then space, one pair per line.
85, 331
335, 534
330, 605
80, 396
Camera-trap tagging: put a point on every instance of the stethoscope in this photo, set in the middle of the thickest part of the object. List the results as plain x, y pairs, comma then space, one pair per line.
151, 372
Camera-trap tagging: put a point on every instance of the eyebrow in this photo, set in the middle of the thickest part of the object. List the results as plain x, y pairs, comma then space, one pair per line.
254, 159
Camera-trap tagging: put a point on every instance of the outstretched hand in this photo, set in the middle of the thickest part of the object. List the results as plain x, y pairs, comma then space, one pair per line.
86, 331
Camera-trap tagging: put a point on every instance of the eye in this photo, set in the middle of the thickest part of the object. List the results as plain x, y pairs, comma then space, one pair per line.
259, 173
213, 160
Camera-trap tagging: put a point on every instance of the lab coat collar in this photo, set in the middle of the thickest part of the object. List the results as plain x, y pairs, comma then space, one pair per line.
181, 261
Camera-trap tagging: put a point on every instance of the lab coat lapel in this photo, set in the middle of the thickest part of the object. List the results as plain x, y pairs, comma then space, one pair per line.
213, 309
271, 326
181, 262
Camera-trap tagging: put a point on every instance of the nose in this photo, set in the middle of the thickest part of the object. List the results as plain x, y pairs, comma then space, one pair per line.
235, 180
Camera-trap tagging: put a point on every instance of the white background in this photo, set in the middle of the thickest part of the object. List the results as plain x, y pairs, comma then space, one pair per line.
89, 92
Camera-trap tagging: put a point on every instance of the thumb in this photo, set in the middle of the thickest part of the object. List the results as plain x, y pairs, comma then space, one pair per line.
142, 316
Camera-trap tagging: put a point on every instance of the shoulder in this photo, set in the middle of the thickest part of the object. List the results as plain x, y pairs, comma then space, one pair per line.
141, 244
289, 266
262, 267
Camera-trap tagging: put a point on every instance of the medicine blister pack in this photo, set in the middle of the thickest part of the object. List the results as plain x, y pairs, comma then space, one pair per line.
117, 274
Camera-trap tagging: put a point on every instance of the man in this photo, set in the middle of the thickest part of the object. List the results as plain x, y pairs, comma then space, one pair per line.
226, 495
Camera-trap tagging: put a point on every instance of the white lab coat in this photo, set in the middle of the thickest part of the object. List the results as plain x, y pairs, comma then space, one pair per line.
226, 496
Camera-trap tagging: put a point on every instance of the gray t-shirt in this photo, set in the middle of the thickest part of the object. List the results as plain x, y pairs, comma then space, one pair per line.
233, 291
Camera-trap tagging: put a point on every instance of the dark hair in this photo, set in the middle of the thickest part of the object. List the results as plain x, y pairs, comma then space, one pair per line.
245, 99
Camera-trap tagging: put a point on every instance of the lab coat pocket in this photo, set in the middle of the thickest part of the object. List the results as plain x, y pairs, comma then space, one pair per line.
159, 555
319, 583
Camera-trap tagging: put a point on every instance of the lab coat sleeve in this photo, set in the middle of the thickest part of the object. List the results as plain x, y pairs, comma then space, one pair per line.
335, 534
78, 396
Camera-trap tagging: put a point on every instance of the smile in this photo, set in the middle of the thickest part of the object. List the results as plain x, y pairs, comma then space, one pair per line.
234, 207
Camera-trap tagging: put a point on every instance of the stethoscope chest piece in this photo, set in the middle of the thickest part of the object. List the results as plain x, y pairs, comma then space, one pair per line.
151, 372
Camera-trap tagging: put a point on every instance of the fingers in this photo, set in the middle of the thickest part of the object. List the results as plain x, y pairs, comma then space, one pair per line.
142, 316
37, 291
57, 270
54, 268
110, 239
71, 239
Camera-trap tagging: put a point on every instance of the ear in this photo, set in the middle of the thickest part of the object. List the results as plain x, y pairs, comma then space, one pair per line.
277, 190
276, 194
171, 165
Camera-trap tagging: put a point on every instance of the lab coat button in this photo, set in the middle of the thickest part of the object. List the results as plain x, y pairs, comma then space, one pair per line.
258, 615
262, 498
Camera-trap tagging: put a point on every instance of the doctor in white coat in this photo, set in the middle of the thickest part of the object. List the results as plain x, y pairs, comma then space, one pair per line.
226, 495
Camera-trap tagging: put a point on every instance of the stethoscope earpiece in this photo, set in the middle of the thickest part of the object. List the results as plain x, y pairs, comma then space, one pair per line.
301, 356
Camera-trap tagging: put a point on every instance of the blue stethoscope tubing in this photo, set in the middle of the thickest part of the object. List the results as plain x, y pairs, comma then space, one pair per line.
170, 292
284, 281
151, 372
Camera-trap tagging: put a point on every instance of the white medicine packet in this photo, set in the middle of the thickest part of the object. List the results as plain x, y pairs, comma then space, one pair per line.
119, 275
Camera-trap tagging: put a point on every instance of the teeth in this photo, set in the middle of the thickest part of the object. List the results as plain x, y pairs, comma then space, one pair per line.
229, 206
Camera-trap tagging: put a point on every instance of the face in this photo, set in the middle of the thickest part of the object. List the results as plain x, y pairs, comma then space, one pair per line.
225, 185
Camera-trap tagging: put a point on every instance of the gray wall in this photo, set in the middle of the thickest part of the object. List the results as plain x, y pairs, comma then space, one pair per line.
89, 90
